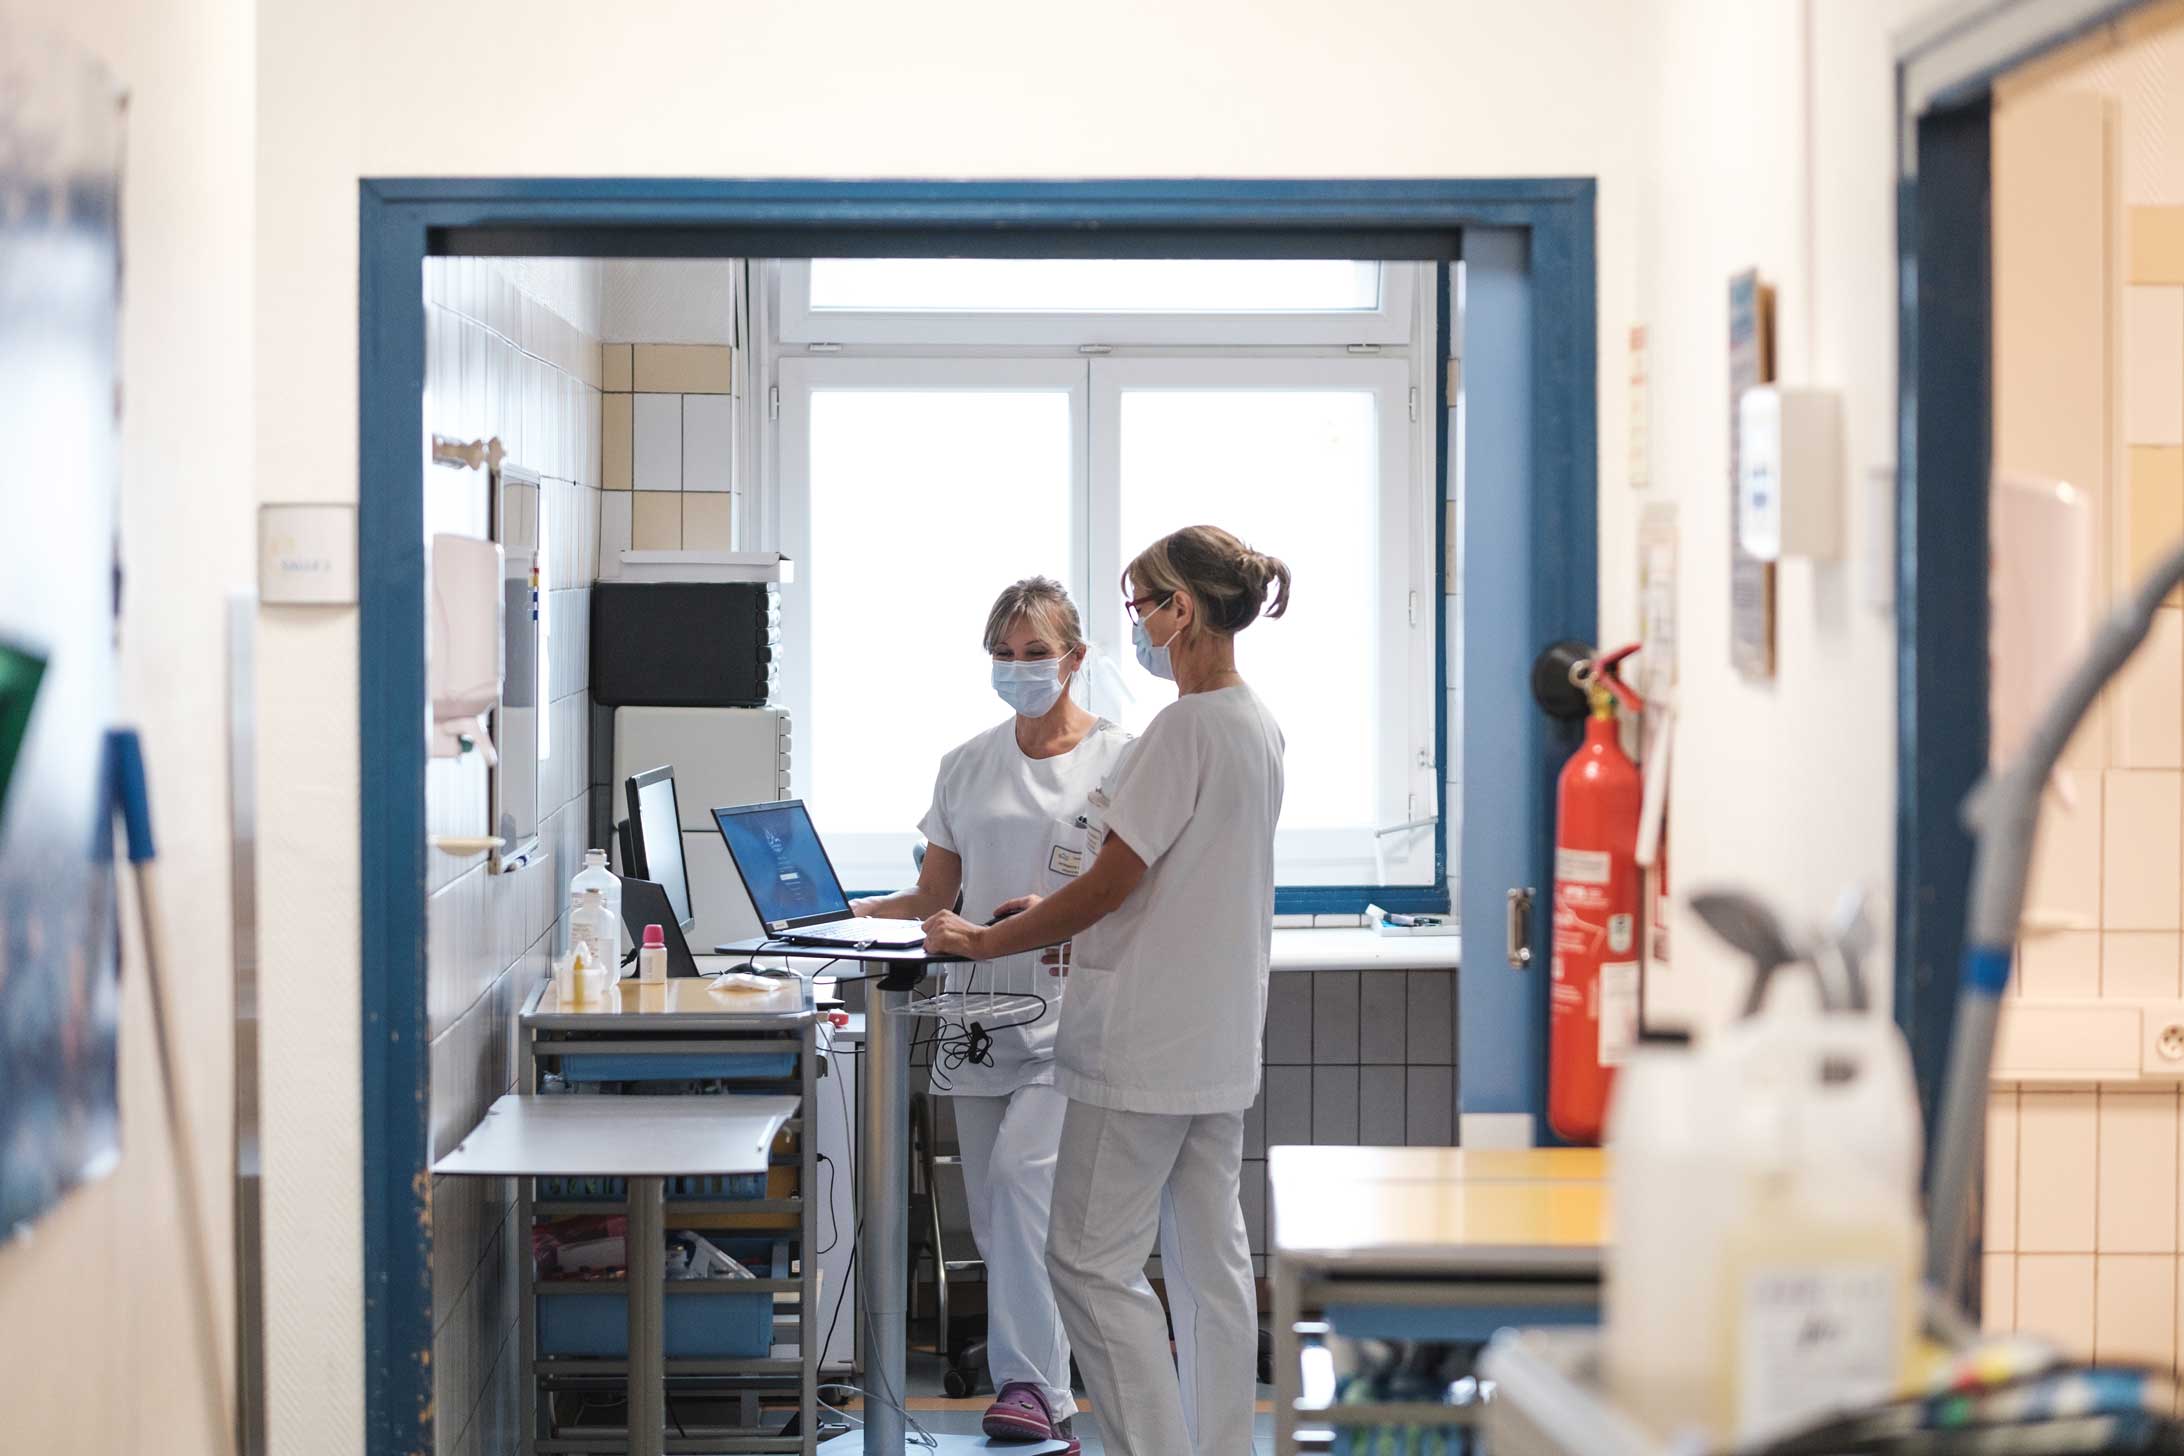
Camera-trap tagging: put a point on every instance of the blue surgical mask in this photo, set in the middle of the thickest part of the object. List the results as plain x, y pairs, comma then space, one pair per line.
1153, 659
1031, 688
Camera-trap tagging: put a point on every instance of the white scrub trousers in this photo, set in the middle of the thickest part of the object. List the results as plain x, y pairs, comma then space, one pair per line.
1008, 1145
1126, 1178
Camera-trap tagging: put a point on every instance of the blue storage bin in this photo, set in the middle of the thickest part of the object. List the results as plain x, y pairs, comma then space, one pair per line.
697, 1326
678, 1067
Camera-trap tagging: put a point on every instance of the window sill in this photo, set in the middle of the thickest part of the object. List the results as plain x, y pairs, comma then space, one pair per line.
1362, 950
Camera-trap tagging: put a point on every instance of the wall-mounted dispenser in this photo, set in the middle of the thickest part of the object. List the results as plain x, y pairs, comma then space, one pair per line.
463, 665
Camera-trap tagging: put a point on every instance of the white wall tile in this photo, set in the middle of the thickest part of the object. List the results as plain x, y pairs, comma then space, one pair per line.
2149, 698
1998, 1294
2153, 365
2138, 1185
2057, 1141
659, 442
2063, 963
2134, 1312
2055, 1299
2066, 867
2142, 835
708, 454
2139, 964
2001, 1201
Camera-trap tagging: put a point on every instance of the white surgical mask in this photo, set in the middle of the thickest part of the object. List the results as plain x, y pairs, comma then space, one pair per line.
1154, 659
1031, 688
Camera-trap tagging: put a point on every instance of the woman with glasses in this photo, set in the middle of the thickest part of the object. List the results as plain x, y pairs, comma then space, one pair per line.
1159, 1050
1007, 822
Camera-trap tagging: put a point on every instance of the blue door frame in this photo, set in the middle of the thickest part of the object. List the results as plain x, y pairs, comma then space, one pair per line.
403, 221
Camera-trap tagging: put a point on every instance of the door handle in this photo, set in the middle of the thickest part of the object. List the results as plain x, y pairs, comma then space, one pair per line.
1520, 929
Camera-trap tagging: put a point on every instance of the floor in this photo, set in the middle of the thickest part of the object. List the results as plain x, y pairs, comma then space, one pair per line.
942, 1416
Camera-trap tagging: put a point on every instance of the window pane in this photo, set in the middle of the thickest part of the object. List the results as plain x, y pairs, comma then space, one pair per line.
1094, 285
1295, 473
924, 504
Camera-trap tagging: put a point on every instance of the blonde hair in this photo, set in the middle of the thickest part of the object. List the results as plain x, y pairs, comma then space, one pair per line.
1230, 582
1045, 602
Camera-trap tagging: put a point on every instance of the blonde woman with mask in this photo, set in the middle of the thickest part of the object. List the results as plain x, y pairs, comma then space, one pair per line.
1007, 822
1159, 1050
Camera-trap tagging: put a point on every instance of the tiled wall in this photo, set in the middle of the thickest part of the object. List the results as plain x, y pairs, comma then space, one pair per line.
504, 362
1351, 1057
2082, 1238
667, 450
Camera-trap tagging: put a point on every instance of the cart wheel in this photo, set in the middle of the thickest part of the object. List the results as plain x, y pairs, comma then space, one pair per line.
958, 1384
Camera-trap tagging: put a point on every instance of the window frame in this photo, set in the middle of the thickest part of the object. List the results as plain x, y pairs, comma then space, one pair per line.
1389, 324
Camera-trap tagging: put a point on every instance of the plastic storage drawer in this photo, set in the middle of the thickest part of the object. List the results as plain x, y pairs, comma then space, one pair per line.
676, 1066
698, 1324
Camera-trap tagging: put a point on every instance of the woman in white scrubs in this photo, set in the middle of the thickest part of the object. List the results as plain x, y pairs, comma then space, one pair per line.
1159, 1048
1007, 822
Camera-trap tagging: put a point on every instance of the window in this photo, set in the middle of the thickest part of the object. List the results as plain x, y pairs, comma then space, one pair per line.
911, 489
1107, 301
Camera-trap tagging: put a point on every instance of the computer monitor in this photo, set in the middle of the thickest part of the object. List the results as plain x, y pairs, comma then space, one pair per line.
784, 866
655, 822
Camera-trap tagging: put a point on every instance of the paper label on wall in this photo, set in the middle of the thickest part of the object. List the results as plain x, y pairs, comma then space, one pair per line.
1618, 1007
1751, 580
1813, 1339
1641, 412
1582, 866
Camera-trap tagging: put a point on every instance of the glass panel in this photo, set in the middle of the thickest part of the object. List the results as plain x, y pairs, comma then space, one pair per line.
924, 504
1295, 473
1093, 285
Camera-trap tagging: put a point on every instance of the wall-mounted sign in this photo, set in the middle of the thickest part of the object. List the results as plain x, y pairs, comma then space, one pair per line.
307, 555
1641, 412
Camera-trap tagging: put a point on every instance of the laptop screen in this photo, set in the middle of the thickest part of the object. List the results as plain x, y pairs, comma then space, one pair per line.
783, 865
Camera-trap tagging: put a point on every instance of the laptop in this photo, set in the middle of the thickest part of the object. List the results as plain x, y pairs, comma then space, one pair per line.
792, 883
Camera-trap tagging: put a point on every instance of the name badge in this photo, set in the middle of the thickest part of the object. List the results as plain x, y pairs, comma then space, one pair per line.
1062, 860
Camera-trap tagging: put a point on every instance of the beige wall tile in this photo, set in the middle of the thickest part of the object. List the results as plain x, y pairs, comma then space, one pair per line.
616, 513
2057, 1142
2140, 964
2066, 866
2149, 698
2153, 365
2055, 1299
2001, 1203
2157, 506
2061, 963
2157, 245
2142, 842
2138, 1152
614, 368
706, 520
2134, 1309
656, 521
617, 449
684, 369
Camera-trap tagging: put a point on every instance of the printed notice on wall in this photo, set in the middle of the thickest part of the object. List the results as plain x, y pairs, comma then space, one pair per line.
1751, 581
1641, 412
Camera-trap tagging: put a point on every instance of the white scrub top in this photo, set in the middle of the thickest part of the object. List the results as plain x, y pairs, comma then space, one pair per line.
1168, 993
1020, 826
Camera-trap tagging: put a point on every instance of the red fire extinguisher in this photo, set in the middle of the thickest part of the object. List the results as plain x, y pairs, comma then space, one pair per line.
1594, 996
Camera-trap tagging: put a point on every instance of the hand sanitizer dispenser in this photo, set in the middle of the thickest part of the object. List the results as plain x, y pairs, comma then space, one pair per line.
463, 665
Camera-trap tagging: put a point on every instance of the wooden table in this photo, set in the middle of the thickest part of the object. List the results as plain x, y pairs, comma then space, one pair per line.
1457, 1242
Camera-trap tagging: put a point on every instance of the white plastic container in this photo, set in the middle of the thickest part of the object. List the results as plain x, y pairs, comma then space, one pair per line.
578, 978
652, 956
1764, 1197
596, 876
591, 927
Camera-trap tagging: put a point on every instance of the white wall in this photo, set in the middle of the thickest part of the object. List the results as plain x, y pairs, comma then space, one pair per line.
94, 1318
984, 89
1785, 787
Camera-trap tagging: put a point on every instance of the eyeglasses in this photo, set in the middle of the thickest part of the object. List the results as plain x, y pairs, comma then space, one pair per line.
1133, 605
